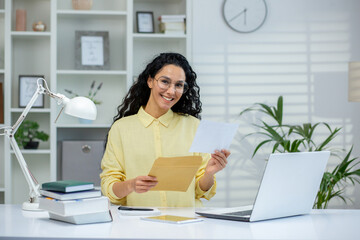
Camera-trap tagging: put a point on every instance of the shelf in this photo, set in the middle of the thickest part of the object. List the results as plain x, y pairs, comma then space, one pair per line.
27, 34
158, 35
92, 125
52, 53
33, 110
91, 12
36, 151
90, 72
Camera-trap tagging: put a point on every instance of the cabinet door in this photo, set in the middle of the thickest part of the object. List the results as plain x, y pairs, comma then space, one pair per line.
81, 160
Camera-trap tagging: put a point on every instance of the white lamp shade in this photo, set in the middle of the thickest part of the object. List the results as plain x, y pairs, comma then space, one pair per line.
354, 82
81, 107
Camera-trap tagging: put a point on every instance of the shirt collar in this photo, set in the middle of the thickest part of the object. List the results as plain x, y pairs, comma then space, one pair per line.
146, 119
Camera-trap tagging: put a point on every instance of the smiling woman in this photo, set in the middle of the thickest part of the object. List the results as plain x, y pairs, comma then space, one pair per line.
163, 97
158, 118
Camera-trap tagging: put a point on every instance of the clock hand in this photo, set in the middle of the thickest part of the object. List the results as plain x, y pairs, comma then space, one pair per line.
237, 15
245, 16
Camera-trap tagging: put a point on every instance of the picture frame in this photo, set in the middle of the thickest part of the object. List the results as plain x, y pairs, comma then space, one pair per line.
27, 88
145, 22
92, 50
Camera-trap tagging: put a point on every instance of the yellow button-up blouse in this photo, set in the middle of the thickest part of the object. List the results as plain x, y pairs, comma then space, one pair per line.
134, 142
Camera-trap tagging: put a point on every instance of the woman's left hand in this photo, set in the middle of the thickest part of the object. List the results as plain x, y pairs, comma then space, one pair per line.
217, 161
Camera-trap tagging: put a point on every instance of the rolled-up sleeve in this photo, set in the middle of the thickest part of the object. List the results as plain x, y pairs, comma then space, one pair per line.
199, 193
112, 165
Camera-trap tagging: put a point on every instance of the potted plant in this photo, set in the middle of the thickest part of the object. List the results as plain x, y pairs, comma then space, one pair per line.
295, 138
91, 95
27, 133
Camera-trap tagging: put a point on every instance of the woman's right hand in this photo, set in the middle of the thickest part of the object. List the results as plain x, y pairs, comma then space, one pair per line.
142, 184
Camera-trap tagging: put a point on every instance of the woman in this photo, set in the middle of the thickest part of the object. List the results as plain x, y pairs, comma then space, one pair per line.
158, 118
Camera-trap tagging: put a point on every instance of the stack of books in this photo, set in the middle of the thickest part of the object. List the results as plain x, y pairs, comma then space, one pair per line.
172, 24
74, 202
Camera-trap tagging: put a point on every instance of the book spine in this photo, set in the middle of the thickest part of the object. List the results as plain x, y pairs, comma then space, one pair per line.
172, 18
172, 27
56, 188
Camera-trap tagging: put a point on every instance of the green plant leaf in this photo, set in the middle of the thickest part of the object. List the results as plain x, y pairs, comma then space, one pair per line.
295, 145
279, 111
259, 146
332, 135
267, 110
292, 138
28, 131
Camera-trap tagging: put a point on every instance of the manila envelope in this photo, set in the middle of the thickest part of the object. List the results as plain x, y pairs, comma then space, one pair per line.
175, 173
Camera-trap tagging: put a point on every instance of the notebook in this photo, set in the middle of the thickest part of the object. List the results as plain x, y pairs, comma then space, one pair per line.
288, 188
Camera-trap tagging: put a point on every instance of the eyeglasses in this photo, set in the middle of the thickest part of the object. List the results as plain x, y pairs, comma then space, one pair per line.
180, 86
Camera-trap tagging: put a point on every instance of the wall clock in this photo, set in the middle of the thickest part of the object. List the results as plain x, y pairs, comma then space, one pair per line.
244, 16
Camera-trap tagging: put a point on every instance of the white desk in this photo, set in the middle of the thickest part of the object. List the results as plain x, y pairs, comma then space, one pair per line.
321, 224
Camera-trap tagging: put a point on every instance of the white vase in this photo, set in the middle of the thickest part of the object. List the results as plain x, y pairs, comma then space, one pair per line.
85, 121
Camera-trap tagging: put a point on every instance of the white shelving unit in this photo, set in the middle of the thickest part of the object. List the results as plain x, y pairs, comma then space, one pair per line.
52, 53
2, 80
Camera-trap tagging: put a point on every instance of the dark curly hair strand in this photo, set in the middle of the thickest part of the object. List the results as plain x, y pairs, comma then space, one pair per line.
138, 95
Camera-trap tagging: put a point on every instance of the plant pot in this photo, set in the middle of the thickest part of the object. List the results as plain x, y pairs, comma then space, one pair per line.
82, 4
31, 145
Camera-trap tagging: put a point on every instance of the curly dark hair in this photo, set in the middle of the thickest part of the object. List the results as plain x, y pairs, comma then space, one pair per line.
138, 95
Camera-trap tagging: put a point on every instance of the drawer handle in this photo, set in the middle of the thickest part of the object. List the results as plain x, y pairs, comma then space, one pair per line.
86, 148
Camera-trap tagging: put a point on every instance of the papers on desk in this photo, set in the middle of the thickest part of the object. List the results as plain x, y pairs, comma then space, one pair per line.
211, 136
172, 219
175, 173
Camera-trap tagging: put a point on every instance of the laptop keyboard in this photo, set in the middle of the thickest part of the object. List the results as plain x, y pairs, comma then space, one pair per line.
239, 213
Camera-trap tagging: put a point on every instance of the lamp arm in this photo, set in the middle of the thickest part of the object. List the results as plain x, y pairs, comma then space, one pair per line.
60, 99
31, 180
10, 133
40, 90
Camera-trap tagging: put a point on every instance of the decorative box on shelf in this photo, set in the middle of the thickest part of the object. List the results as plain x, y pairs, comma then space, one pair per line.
82, 4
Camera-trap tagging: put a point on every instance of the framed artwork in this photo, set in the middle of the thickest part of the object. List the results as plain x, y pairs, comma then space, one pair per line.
92, 50
145, 22
27, 88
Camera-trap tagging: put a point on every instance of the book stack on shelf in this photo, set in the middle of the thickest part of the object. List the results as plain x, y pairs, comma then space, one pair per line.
172, 24
74, 202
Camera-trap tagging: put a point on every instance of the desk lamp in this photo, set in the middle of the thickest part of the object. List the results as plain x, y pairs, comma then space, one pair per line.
354, 82
81, 107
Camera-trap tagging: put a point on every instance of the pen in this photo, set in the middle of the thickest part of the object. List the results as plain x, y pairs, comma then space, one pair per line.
134, 209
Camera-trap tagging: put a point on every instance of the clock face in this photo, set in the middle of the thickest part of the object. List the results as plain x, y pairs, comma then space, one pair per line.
244, 16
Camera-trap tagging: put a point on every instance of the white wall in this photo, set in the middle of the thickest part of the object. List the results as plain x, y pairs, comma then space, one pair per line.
301, 52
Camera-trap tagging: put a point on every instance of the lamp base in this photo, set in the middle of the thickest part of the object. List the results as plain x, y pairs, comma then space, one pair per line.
28, 206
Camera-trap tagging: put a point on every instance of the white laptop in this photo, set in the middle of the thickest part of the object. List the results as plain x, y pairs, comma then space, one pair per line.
288, 188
